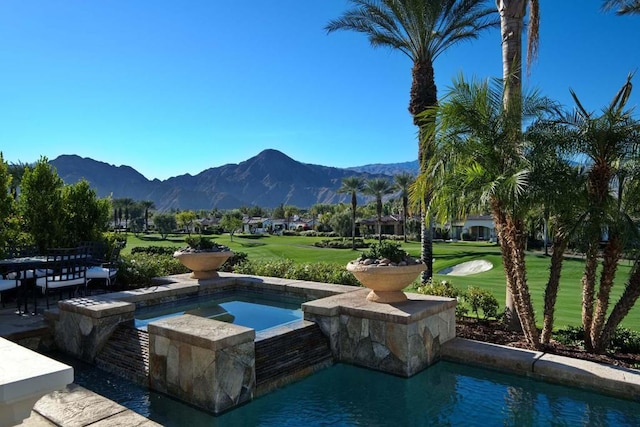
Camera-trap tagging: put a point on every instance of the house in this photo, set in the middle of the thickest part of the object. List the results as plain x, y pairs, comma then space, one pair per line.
474, 227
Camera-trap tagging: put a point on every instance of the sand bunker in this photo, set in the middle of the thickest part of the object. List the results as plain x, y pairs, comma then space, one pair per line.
467, 268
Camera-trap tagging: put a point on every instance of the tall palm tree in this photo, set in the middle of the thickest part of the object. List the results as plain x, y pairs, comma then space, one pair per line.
475, 133
512, 14
378, 188
422, 30
352, 185
403, 182
624, 7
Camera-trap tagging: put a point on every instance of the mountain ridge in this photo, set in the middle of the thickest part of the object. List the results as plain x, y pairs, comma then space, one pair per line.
268, 179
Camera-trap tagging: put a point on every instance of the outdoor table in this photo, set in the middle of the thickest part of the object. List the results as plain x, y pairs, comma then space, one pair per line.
21, 265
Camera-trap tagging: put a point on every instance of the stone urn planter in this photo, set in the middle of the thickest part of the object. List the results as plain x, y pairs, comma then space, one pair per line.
203, 257
386, 282
386, 276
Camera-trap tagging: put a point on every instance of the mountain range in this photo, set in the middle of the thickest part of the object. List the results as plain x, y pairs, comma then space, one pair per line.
268, 179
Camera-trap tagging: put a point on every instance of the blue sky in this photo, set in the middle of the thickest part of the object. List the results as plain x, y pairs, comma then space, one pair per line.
172, 87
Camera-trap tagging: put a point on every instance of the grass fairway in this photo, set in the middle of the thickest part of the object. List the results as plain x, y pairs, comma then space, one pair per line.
301, 249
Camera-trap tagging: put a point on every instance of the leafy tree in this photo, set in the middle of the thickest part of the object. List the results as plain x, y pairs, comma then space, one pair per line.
231, 221
165, 223
16, 170
352, 185
278, 212
403, 182
378, 188
40, 204
421, 30
6, 201
290, 212
84, 216
185, 220
340, 222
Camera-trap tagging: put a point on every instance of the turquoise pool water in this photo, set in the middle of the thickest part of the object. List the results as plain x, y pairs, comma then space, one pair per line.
259, 312
446, 394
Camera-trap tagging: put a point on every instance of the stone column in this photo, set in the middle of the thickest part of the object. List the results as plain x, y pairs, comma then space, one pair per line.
85, 324
204, 362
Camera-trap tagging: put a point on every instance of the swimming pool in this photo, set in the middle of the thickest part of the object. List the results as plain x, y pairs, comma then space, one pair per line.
446, 394
256, 311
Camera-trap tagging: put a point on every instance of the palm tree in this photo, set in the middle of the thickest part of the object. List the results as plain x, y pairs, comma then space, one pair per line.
475, 135
352, 185
511, 24
624, 7
403, 182
422, 30
16, 170
557, 185
147, 205
610, 142
378, 187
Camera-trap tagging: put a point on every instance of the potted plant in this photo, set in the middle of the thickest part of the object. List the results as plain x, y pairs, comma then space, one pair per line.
386, 269
203, 257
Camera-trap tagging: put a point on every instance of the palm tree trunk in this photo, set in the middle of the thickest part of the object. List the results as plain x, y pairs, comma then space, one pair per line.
611, 256
551, 290
511, 23
512, 244
588, 292
424, 95
354, 202
621, 309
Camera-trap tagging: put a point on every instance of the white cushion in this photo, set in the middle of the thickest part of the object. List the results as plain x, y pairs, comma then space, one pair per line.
28, 274
97, 272
56, 282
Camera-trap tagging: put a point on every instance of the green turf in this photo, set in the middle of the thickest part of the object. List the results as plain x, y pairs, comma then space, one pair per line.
301, 249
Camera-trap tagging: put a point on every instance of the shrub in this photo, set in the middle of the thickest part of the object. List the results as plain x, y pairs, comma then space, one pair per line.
481, 299
445, 289
626, 341
153, 250
137, 270
384, 249
341, 243
287, 269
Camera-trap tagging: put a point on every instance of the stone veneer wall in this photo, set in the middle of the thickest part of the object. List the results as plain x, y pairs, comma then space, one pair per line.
204, 362
402, 338
85, 324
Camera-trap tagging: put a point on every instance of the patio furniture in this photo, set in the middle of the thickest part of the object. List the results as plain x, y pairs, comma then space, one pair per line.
68, 272
102, 265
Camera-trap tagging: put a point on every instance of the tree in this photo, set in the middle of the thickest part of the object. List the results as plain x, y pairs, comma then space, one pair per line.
511, 24
474, 133
84, 217
232, 222
352, 185
378, 188
610, 143
165, 223
558, 186
185, 220
147, 205
16, 170
403, 182
624, 7
278, 212
6, 201
421, 30
40, 204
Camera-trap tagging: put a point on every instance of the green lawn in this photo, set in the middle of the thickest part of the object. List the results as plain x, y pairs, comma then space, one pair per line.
301, 249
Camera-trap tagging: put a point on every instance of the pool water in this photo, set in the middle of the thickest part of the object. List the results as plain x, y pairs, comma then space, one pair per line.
257, 312
445, 394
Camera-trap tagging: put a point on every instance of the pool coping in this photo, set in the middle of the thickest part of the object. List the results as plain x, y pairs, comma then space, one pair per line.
592, 376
